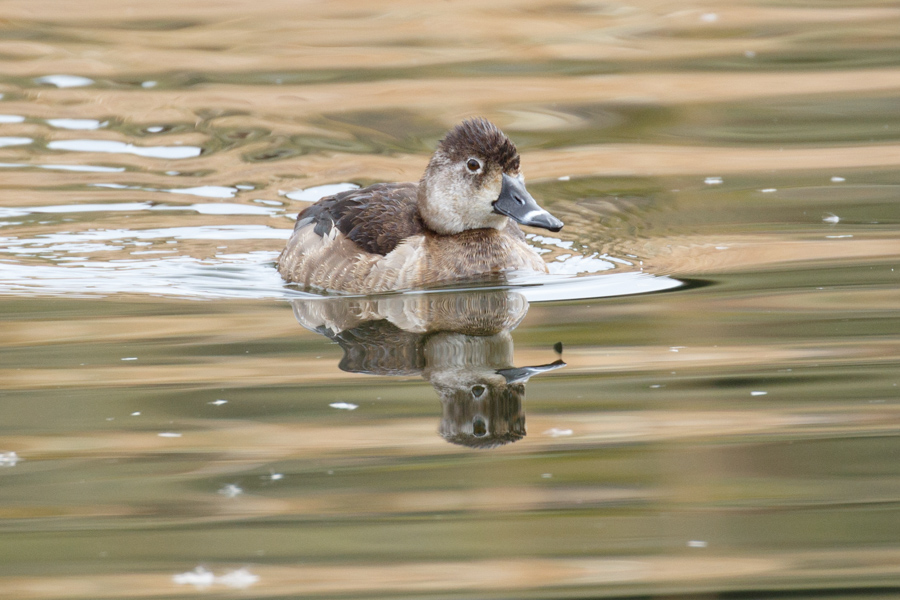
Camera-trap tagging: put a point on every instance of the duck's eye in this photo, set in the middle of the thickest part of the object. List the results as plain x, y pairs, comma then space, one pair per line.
473, 165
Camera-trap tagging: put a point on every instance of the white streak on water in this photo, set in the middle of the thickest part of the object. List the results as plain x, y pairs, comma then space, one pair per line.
113, 147
556, 432
206, 191
315, 193
79, 124
79, 168
343, 406
200, 578
64, 81
14, 141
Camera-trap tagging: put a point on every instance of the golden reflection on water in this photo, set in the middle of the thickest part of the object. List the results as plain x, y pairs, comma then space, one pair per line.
735, 435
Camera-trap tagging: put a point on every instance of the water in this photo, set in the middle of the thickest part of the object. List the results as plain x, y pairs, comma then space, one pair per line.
721, 420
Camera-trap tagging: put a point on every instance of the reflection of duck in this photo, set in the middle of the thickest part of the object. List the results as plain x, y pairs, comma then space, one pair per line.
459, 342
454, 225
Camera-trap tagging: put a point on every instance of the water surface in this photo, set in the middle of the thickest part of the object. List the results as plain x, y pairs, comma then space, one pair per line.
722, 420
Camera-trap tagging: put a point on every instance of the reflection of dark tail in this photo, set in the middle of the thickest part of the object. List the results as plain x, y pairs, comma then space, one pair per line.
495, 419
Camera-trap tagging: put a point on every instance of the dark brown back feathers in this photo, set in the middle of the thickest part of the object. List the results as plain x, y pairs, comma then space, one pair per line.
376, 218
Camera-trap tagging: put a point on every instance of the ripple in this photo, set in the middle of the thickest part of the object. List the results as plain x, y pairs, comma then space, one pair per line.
251, 276
76, 208
220, 208
206, 191
64, 81
315, 193
80, 124
235, 276
79, 270
14, 141
555, 288
223, 208
113, 147
574, 264
80, 168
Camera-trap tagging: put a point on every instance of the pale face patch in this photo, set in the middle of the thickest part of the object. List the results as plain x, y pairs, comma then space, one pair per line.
458, 199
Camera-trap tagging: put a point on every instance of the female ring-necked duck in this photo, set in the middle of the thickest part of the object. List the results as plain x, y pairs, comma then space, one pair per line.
455, 225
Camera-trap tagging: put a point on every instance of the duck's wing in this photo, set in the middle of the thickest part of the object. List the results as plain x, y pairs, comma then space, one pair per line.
376, 218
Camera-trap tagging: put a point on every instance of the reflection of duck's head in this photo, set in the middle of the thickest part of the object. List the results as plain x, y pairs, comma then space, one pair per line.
473, 182
481, 409
482, 414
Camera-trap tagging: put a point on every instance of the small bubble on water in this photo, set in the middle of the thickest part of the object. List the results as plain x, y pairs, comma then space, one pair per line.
712, 180
238, 579
556, 432
697, 544
837, 179
199, 578
344, 406
9, 459
831, 218
231, 491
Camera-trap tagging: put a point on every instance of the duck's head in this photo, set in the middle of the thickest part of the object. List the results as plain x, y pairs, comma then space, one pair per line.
474, 181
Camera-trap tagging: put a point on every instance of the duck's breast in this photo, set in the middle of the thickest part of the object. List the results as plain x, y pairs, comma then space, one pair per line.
478, 253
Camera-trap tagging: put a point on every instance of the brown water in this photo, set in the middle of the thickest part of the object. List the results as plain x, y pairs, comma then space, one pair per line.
726, 422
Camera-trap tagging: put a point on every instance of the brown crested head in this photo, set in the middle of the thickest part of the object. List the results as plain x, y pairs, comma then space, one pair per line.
481, 138
465, 178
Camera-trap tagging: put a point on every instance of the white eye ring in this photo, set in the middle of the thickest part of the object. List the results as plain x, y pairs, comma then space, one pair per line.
473, 165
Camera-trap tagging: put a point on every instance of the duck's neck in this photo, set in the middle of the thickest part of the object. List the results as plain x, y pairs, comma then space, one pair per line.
448, 208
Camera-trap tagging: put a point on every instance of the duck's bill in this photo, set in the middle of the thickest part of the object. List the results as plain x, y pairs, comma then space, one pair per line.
516, 203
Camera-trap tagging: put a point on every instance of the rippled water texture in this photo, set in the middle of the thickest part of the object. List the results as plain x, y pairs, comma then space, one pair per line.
711, 369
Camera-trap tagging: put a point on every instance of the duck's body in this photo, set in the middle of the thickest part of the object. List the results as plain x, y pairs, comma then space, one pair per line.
452, 226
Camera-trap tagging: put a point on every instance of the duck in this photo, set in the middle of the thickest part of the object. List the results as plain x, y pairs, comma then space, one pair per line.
459, 223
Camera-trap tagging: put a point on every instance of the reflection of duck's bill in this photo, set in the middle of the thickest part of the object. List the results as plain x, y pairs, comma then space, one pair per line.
522, 374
